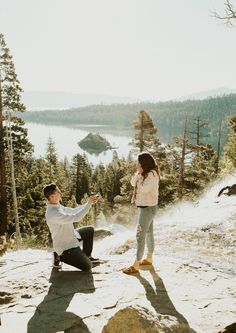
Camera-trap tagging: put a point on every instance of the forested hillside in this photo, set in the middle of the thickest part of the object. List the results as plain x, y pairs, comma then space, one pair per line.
169, 116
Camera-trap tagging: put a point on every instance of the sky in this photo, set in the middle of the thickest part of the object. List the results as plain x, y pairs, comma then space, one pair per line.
144, 49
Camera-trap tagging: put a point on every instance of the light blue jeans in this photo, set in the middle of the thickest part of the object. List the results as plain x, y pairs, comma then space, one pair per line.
145, 230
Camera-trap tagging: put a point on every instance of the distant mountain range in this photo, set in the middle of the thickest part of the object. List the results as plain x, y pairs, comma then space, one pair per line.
208, 93
55, 100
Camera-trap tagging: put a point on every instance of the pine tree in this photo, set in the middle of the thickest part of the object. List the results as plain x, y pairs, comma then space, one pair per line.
81, 177
31, 200
145, 137
202, 167
115, 171
10, 102
199, 131
193, 164
99, 180
228, 159
183, 145
218, 146
3, 181
180, 161
51, 157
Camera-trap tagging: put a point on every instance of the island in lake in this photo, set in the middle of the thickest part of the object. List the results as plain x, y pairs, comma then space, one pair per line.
94, 143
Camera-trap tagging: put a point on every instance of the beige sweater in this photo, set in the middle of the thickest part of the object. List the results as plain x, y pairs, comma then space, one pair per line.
146, 191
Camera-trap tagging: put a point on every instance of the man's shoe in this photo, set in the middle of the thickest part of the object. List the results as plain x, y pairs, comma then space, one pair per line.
56, 260
94, 260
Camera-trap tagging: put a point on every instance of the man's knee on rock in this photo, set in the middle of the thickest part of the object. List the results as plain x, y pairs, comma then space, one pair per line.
87, 267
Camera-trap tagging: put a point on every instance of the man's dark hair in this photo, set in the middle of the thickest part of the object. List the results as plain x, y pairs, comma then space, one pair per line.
49, 189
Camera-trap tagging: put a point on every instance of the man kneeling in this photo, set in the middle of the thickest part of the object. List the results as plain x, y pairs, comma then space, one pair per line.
65, 238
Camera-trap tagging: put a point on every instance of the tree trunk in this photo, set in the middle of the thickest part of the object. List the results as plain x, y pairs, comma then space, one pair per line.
13, 183
77, 181
182, 162
218, 147
3, 190
141, 134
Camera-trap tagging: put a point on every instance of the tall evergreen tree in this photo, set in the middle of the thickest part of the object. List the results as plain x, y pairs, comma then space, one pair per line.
183, 145
218, 147
99, 180
228, 158
145, 137
31, 199
199, 132
202, 167
81, 177
10, 101
3, 181
51, 157
194, 165
115, 171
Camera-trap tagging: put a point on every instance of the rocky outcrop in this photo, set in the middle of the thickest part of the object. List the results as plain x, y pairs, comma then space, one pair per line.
191, 286
68, 300
138, 319
102, 233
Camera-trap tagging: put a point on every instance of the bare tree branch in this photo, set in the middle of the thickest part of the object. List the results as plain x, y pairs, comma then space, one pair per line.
230, 14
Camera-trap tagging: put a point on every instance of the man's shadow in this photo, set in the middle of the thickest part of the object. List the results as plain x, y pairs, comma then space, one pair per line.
50, 315
160, 299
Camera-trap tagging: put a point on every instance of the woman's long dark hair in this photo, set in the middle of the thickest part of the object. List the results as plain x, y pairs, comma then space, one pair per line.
148, 164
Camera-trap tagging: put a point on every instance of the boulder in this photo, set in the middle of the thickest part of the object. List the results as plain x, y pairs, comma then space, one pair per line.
136, 319
102, 233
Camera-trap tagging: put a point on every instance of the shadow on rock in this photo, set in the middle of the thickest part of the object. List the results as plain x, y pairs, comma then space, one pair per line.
229, 329
161, 301
50, 315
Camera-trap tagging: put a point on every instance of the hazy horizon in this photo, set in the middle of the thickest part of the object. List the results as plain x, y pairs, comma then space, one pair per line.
54, 100
152, 50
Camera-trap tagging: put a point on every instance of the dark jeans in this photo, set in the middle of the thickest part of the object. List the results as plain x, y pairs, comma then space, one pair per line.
76, 256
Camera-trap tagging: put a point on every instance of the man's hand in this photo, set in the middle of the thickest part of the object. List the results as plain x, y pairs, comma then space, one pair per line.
93, 199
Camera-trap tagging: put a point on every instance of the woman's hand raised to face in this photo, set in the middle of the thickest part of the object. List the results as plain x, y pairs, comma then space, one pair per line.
93, 199
139, 168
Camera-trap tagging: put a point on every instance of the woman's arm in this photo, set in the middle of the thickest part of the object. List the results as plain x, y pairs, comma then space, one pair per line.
134, 179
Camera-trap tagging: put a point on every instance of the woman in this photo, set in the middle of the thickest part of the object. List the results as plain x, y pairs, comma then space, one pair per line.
145, 197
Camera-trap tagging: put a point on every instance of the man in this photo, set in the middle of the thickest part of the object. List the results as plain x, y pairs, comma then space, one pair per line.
65, 238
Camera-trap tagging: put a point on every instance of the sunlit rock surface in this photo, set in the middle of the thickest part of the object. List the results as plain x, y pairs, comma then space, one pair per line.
191, 286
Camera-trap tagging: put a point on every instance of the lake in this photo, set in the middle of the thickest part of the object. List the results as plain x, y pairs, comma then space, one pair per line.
66, 140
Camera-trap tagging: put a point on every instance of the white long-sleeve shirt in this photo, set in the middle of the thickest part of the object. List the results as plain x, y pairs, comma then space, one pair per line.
60, 221
146, 190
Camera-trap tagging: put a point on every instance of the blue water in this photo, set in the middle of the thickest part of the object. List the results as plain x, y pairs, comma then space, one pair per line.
66, 141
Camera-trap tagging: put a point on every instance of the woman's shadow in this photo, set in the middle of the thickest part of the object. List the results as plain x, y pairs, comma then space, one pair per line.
160, 300
50, 315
